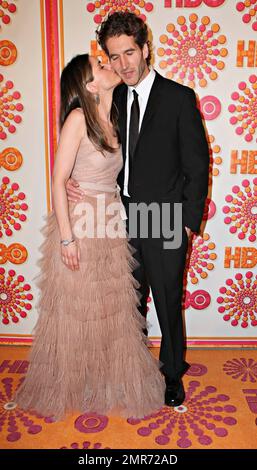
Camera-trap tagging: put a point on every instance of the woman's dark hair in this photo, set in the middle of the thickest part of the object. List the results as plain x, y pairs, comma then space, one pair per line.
125, 22
74, 94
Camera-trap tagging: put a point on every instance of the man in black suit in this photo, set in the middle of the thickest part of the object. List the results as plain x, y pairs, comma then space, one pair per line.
166, 160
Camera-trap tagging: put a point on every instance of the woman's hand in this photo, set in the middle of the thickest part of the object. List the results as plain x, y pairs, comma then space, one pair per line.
71, 256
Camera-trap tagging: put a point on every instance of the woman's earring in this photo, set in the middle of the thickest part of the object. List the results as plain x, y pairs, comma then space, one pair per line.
97, 99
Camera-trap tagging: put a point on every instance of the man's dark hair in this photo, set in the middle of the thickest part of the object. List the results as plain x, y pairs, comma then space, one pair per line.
128, 23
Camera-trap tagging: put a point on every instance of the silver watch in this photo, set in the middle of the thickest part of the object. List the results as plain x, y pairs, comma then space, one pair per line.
67, 242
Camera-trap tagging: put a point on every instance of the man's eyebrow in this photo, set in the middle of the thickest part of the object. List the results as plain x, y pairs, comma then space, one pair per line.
124, 52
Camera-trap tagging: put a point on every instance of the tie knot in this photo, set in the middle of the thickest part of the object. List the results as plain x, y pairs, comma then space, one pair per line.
135, 94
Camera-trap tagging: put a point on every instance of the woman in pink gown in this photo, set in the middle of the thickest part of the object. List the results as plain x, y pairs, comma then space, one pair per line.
89, 351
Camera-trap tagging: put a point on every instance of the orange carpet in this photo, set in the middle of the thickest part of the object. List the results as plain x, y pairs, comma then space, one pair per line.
220, 411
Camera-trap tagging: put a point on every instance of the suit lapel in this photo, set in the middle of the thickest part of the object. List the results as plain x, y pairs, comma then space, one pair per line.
152, 104
123, 119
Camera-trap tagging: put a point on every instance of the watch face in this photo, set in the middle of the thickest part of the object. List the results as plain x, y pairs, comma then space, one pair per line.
67, 242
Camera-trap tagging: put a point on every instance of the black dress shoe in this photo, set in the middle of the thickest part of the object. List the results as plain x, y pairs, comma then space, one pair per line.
174, 393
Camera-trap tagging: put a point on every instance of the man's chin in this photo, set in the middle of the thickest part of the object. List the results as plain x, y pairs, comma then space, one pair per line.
130, 81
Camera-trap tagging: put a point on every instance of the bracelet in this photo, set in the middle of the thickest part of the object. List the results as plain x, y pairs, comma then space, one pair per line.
67, 242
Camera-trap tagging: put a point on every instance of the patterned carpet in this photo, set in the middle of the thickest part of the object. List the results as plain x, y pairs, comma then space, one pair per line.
220, 411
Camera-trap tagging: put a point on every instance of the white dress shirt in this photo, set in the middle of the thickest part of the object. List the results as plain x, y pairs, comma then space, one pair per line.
143, 90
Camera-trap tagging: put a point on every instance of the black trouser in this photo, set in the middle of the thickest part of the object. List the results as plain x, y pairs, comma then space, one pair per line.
163, 270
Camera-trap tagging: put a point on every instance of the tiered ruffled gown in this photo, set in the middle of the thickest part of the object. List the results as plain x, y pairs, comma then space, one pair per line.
89, 352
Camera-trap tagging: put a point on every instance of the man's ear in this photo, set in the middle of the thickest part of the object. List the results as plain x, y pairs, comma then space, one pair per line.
145, 51
91, 87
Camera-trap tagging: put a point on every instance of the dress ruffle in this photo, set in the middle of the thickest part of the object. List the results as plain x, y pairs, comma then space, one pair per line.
89, 352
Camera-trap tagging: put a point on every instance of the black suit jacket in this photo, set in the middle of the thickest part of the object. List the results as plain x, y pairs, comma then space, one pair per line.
171, 161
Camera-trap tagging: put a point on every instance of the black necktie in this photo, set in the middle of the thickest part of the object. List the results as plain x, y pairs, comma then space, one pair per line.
133, 129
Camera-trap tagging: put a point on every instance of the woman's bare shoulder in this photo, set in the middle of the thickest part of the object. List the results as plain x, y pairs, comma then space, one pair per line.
75, 121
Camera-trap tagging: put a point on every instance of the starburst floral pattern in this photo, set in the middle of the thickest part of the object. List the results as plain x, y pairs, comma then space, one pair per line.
204, 416
244, 109
193, 51
85, 445
104, 7
238, 300
243, 369
9, 108
248, 9
241, 210
215, 158
15, 422
6, 10
201, 259
11, 207
15, 297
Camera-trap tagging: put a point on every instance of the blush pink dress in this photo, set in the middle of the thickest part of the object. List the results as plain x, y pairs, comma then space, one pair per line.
89, 352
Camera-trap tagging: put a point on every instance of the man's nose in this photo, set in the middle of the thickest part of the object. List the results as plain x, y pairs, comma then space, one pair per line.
123, 62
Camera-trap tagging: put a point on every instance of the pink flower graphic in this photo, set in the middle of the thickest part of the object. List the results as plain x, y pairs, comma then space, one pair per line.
104, 7
9, 109
238, 302
6, 9
243, 369
15, 297
11, 207
13, 420
204, 415
201, 259
249, 11
193, 51
241, 210
244, 109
